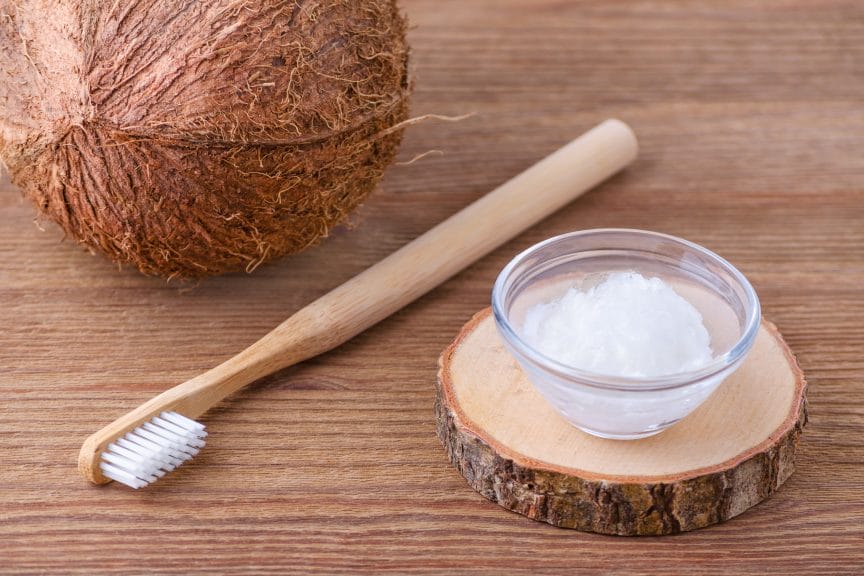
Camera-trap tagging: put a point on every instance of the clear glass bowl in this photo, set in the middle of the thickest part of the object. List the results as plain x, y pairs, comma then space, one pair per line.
613, 406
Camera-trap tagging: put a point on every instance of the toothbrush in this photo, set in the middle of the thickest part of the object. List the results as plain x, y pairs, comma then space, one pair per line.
161, 434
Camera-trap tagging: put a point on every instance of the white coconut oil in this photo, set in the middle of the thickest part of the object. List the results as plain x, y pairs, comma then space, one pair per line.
625, 325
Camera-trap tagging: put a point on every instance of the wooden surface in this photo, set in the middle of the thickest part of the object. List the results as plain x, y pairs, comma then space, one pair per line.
751, 124
512, 446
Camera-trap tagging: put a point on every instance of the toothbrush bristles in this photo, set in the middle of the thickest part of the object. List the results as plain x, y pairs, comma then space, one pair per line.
155, 448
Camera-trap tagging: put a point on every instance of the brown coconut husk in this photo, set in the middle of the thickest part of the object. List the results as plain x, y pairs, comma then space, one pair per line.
191, 138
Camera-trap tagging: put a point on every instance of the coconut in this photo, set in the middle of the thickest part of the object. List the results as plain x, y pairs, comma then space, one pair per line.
191, 138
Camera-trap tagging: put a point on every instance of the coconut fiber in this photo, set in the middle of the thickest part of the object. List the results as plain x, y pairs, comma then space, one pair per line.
191, 137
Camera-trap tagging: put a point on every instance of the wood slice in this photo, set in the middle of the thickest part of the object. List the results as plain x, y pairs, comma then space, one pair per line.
511, 446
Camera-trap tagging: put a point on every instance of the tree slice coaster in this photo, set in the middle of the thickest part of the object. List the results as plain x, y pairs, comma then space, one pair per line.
511, 446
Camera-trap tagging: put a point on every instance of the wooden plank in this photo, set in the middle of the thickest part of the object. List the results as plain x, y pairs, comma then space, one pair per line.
751, 124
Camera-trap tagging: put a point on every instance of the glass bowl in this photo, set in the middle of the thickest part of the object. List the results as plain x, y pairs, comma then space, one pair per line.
615, 406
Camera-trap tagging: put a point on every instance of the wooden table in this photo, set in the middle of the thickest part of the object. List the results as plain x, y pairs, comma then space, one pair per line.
751, 119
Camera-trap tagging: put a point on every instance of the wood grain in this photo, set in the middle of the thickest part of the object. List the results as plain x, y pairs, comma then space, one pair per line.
751, 127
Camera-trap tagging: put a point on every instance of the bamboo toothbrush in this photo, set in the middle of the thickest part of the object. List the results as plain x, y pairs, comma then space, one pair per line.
145, 444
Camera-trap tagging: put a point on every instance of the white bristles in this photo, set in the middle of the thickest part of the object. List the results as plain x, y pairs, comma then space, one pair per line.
150, 451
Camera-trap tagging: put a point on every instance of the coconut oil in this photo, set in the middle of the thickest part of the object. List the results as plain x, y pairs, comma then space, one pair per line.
624, 325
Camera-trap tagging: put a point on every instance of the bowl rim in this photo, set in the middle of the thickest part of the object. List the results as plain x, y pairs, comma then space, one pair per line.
730, 358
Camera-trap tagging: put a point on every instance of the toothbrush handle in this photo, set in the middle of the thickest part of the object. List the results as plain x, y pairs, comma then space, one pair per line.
397, 280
